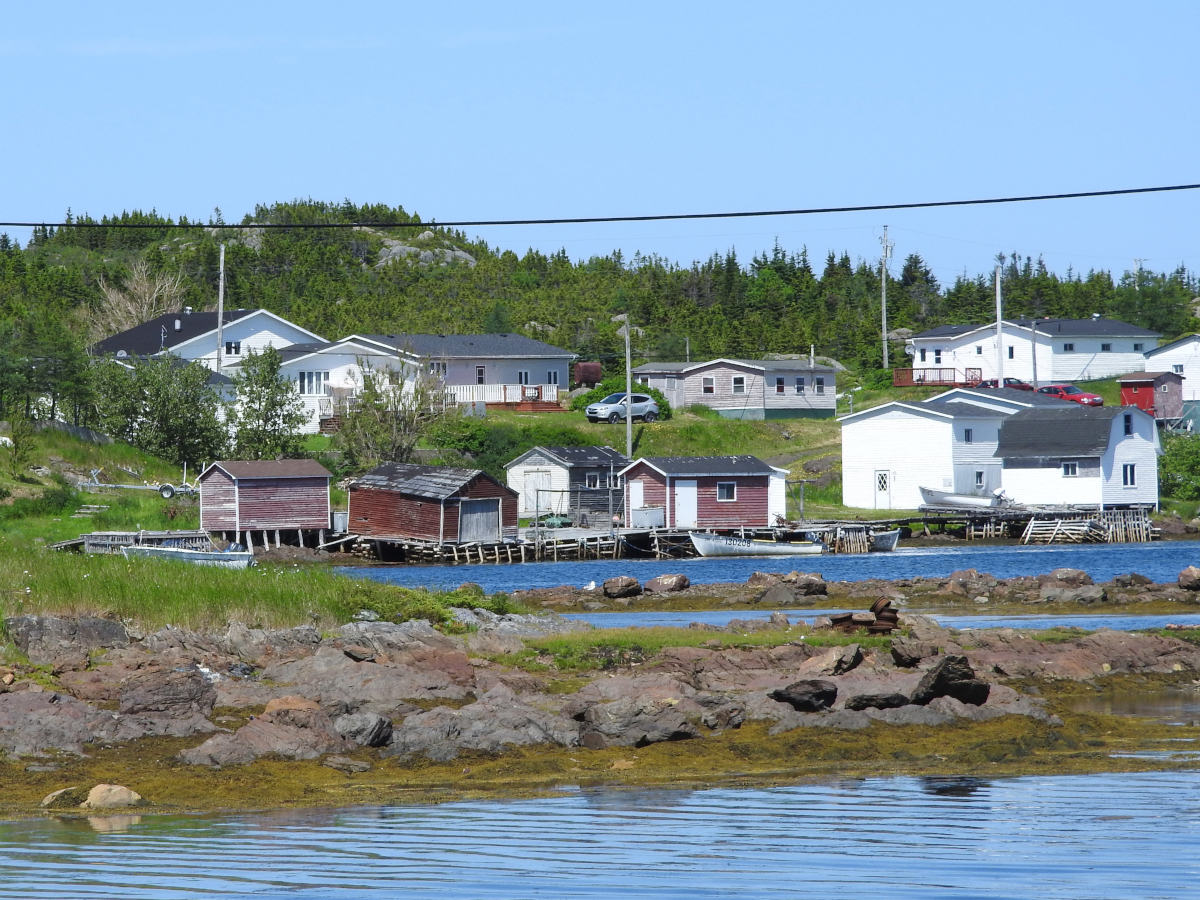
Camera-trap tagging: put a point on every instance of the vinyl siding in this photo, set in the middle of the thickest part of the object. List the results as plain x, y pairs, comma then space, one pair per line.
1186, 354
916, 451
1048, 486
1137, 448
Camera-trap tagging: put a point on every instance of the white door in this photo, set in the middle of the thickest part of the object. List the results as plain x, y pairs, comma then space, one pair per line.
479, 520
637, 495
686, 510
883, 489
537, 492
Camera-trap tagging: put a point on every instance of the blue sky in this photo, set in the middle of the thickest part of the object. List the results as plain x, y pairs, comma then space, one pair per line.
486, 110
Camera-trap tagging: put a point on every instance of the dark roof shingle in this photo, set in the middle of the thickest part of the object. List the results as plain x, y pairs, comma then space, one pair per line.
708, 465
1081, 431
148, 338
468, 346
435, 482
1100, 327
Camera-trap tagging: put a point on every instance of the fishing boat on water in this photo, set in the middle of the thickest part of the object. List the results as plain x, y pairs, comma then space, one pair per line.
230, 559
993, 500
722, 545
885, 541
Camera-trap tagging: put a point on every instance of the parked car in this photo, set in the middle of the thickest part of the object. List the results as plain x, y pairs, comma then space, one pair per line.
1072, 393
612, 408
1015, 384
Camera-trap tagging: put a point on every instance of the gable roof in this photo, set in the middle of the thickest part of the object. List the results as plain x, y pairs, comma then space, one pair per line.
435, 482
763, 365
1083, 431
468, 346
1142, 377
696, 466
1187, 338
576, 457
1006, 396
920, 409
1091, 327
250, 469
294, 352
148, 339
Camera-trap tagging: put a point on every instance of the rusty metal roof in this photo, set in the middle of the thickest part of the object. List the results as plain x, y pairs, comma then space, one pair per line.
271, 468
436, 482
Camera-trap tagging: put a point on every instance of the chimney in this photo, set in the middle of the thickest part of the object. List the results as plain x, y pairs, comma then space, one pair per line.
187, 310
178, 325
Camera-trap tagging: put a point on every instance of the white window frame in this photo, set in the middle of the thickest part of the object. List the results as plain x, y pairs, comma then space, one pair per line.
937, 357
1068, 348
1165, 388
818, 384
1106, 348
922, 354
1177, 369
671, 382
522, 377
312, 384
1129, 475
979, 482
592, 480
1012, 353
1070, 470
708, 385
1128, 423
1137, 348
731, 487
780, 384
481, 374
437, 369
979, 349
737, 384
799, 384
233, 348
552, 376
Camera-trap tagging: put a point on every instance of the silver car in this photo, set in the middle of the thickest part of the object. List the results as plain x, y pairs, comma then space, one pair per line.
612, 408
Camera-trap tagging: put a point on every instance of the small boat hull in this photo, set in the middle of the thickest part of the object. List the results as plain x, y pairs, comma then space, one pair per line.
885, 541
234, 560
945, 498
720, 545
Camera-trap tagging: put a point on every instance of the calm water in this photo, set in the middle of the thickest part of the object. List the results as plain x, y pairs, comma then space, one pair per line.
1081, 837
1161, 561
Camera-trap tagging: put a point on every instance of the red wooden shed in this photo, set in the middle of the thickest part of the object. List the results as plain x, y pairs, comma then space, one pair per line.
264, 495
402, 501
720, 492
1158, 393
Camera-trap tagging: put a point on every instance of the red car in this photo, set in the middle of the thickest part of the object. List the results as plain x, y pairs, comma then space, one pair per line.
1015, 384
1072, 393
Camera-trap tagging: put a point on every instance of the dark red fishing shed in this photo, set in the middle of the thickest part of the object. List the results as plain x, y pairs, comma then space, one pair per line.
268, 495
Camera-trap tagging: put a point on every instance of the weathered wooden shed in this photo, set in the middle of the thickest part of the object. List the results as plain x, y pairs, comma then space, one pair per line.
568, 479
264, 495
1158, 393
721, 492
442, 504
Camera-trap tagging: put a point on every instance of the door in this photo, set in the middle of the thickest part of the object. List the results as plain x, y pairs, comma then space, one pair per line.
685, 504
479, 520
883, 489
536, 482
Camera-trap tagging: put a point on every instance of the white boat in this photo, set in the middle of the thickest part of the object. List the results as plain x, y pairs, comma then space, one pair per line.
885, 541
237, 559
945, 498
720, 545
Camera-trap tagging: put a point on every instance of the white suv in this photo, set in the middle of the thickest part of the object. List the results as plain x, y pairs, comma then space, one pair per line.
612, 408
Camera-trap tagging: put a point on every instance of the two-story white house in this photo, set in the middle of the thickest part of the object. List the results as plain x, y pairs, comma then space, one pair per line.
746, 388
1038, 351
1181, 357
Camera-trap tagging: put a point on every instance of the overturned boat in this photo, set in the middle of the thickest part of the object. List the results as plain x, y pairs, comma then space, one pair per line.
722, 545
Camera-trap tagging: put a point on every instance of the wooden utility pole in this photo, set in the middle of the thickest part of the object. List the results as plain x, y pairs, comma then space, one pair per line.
999, 335
221, 315
887, 252
628, 391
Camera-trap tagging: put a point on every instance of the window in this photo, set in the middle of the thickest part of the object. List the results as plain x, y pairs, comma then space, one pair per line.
313, 382
739, 384
671, 382
799, 384
726, 491
922, 354
437, 369
481, 374
1129, 475
1135, 389
979, 478
522, 378
979, 350
1106, 348
818, 385
552, 376
1165, 388
593, 479
1070, 469
937, 357
780, 385
1128, 423
708, 386
1137, 348
1010, 352
1178, 370
968, 435
1068, 348
233, 348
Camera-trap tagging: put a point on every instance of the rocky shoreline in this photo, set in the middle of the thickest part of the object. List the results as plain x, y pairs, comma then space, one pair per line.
395, 698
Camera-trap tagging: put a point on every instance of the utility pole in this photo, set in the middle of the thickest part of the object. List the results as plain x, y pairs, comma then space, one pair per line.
999, 335
1137, 274
221, 315
628, 391
687, 343
887, 252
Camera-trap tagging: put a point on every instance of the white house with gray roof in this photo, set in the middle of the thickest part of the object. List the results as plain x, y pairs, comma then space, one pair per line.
566, 479
1038, 351
747, 388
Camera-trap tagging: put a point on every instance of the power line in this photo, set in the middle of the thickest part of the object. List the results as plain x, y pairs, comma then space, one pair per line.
929, 204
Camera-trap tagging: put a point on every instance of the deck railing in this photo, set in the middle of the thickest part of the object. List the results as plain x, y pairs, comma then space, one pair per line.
936, 377
503, 393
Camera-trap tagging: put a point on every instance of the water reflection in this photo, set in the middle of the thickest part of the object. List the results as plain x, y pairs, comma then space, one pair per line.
1174, 706
951, 786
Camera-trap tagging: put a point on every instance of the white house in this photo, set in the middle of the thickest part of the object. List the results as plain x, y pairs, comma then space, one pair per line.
1081, 456
1066, 350
193, 336
560, 479
746, 389
493, 368
1181, 357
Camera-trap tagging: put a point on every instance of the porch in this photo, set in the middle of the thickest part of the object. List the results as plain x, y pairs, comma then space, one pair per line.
936, 377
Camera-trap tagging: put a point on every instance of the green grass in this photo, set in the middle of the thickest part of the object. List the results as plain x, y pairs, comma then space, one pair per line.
155, 593
610, 647
1105, 387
